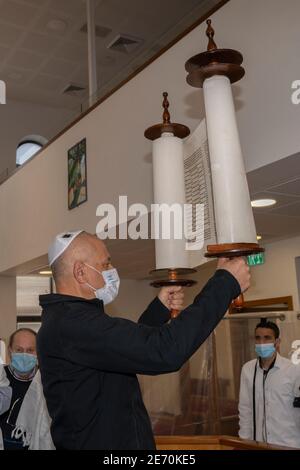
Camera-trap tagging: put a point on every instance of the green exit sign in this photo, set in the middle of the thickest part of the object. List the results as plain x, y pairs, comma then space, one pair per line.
254, 260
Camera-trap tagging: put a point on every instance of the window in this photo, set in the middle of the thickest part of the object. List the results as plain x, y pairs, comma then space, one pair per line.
29, 146
26, 150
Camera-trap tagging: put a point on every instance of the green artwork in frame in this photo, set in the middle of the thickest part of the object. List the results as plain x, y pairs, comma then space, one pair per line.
77, 184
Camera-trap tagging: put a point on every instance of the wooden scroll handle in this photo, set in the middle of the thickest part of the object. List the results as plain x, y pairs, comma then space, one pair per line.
173, 278
232, 250
174, 313
238, 303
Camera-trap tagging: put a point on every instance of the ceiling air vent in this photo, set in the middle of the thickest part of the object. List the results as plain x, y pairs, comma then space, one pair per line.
74, 90
124, 43
101, 31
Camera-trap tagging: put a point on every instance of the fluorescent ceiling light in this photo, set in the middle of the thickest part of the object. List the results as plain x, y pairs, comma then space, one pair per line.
45, 272
263, 202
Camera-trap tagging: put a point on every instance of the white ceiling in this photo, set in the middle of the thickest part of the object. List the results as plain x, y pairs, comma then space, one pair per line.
279, 180
38, 63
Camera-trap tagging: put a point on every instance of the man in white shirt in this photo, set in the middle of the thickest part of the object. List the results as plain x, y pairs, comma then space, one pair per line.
5, 391
5, 397
269, 386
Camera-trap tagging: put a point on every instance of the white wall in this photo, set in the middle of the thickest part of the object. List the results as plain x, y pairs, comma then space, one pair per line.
8, 309
33, 203
28, 290
298, 276
267, 33
20, 119
277, 277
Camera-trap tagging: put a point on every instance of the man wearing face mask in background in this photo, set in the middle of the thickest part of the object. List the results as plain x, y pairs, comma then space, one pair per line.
19, 373
89, 360
5, 397
268, 388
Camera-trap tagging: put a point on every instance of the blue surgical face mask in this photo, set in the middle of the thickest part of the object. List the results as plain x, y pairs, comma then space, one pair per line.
109, 292
23, 362
265, 350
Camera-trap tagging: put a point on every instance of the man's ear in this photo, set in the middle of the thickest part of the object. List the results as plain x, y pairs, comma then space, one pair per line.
79, 272
277, 344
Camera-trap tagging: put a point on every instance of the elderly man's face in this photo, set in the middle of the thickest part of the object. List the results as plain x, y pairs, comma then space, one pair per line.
24, 342
100, 260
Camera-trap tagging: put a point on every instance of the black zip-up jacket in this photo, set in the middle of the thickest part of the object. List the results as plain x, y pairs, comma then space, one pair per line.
89, 361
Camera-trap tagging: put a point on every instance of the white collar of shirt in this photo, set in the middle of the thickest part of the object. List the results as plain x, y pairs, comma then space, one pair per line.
277, 364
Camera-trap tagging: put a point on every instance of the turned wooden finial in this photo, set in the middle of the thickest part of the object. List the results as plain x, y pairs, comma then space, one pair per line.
156, 131
210, 32
166, 104
214, 61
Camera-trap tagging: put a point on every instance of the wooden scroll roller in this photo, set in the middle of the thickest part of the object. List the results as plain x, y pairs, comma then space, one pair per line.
156, 131
202, 69
172, 278
233, 250
238, 303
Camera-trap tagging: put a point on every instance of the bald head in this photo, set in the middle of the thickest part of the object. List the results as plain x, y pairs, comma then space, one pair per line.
71, 271
23, 340
79, 250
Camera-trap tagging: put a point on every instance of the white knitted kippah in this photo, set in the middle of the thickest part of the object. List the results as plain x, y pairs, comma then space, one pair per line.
60, 244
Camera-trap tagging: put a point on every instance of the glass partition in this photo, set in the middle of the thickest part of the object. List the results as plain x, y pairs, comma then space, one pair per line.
202, 398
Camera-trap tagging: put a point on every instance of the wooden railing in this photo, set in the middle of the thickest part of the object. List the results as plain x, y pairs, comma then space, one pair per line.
212, 443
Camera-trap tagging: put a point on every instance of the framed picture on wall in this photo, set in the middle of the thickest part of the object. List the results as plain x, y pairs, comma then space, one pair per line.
77, 183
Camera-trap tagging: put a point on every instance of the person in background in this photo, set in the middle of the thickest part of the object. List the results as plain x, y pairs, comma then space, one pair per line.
269, 384
18, 375
89, 360
5, 391
5, 397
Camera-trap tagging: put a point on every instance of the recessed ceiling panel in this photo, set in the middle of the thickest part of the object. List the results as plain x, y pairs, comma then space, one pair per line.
17, 13
292, 210
25, 59
288, 188
61, 68
47, 83
9, 34
40, 43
